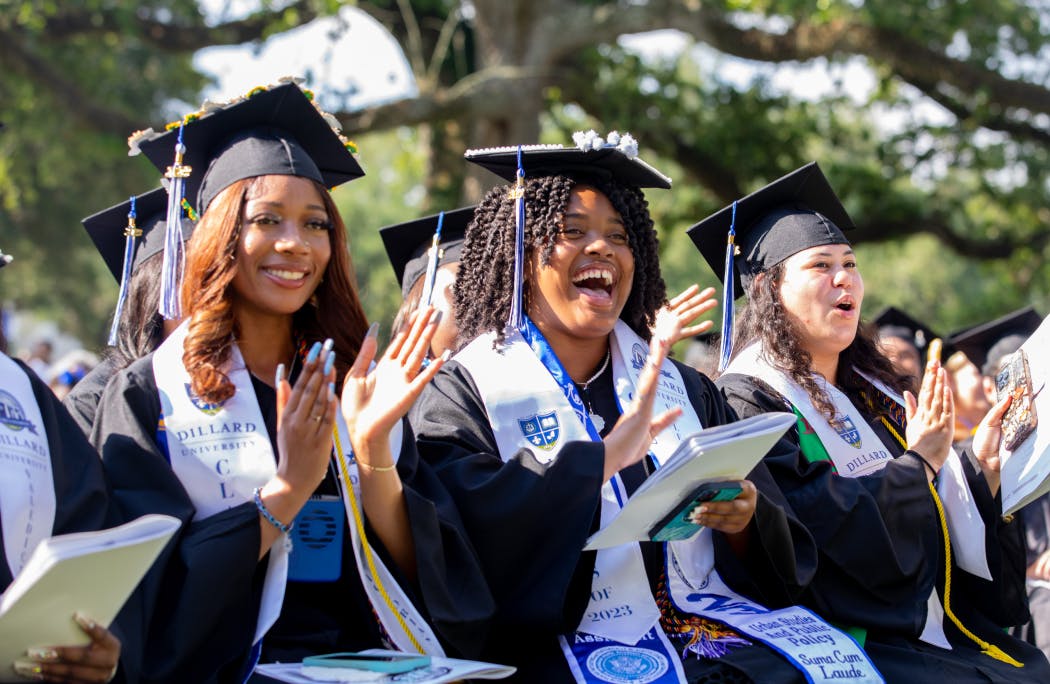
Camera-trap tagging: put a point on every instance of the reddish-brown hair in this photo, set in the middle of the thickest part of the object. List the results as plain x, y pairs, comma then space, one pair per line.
208, 302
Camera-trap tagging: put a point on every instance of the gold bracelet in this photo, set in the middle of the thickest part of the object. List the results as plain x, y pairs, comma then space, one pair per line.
376, 469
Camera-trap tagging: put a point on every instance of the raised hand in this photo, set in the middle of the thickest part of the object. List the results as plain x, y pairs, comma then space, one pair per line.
686, 308
986, 441
931, 416
629, 440
96, 662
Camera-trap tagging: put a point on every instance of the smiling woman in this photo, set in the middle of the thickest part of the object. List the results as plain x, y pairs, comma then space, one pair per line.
541, 426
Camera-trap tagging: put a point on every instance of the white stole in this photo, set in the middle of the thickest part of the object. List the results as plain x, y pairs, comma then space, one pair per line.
222, 453
27, 486
856, 450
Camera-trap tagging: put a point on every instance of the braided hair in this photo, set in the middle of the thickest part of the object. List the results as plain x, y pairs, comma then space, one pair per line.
485, 283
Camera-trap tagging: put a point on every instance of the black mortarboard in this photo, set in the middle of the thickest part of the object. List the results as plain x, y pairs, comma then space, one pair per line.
892, 322
107, 230
273, 131
791, 214
408, 244
593, 156
988, 343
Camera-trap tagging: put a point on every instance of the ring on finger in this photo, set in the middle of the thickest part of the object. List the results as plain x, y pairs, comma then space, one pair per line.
316, 419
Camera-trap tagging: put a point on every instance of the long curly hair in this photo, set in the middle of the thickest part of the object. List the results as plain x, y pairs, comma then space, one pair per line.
766, 320
207, 297
485, 283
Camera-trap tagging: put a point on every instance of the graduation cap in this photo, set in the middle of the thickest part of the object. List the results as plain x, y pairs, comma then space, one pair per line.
892, 322
986, 344
408, 245
791, 214
127, 234
614, 157
271, 131
5, 259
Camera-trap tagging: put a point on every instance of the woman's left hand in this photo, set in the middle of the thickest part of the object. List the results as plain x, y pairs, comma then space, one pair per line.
96, 662
374, 401
730, 517
686, 308
986, 443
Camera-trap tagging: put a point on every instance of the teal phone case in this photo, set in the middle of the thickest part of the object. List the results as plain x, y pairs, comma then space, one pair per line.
677, 526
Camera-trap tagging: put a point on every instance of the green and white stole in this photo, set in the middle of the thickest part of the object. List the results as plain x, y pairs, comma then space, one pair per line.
221, 453
856, 450
27, 486
532, 405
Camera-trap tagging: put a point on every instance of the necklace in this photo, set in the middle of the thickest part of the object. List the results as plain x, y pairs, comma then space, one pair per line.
599, 422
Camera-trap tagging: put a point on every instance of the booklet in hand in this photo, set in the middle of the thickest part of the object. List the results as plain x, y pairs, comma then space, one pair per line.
721, 454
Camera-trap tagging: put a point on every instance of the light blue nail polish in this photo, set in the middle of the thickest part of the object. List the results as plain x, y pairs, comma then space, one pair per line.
329, 363
279, 375
328, 344
314, 352
373, 330
331, 389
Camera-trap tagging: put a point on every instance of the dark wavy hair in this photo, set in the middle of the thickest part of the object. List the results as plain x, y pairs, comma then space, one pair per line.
485, 283
141, 327
766, 320
207, 299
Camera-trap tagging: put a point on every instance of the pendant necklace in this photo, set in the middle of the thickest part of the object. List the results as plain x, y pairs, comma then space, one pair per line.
598, 421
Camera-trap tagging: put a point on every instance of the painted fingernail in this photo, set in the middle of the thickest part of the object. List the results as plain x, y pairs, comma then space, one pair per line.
84, 621
437, 317
331, 389
42, 654
279, 376
314, 352
328, 344
329, 363
30, 670
446, 355
373, 330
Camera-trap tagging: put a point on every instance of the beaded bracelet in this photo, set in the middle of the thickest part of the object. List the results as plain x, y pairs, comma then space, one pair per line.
265, 512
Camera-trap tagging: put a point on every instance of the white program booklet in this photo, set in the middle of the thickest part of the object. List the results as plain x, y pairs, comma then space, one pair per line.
439, 670
724, 452
90, 572
1025, 471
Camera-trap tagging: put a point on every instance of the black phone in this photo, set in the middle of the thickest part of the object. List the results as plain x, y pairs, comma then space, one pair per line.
676, 525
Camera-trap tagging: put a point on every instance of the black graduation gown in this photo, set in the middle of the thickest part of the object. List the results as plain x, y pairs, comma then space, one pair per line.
206, 594
881, 553
529, 523
82, 400
81, 501
1035, 517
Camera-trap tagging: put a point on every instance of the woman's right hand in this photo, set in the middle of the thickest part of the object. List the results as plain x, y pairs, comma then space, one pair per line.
931, 416
305, 419
629, 440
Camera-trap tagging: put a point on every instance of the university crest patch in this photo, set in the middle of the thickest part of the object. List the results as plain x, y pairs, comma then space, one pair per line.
542, 430
12, 415
848, 432
204, 407
623, 665
638, 356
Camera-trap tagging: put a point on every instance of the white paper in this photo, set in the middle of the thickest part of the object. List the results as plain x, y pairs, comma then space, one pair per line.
90, 572
725, 452
1025, 472
440, 670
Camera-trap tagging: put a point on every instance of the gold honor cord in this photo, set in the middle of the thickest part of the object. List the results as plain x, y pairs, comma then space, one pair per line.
344, 471
987, 648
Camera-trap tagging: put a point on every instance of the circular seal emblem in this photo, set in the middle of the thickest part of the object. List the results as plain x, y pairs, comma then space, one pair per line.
624, 665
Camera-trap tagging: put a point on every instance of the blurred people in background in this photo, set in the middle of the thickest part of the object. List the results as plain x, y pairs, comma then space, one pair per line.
904, 341
39, 359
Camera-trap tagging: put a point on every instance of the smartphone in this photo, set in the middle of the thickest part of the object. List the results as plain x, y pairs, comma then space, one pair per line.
1015, 379
375, 662
677, 526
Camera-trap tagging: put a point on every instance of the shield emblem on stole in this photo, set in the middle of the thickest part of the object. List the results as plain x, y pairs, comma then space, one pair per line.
542, 430
848, 432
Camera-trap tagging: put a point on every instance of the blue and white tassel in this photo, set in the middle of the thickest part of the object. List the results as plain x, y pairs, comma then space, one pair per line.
131, 232
517, 314
433, 258
174, 256
728, 297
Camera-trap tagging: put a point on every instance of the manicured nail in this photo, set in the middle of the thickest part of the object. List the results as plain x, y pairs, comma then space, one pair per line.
328, 344
314, 352
331, 390
279, 375
373, 330
84, 621
436, 318
30, 670
329, 363
42, 654
446, 355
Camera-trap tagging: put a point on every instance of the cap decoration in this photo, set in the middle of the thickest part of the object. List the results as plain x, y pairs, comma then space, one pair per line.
131, 233
590, 140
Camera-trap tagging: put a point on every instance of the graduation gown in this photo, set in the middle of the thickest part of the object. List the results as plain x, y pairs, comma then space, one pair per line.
82, 400
205, 596
1035, 517
82, 502
881, 553
529, 523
